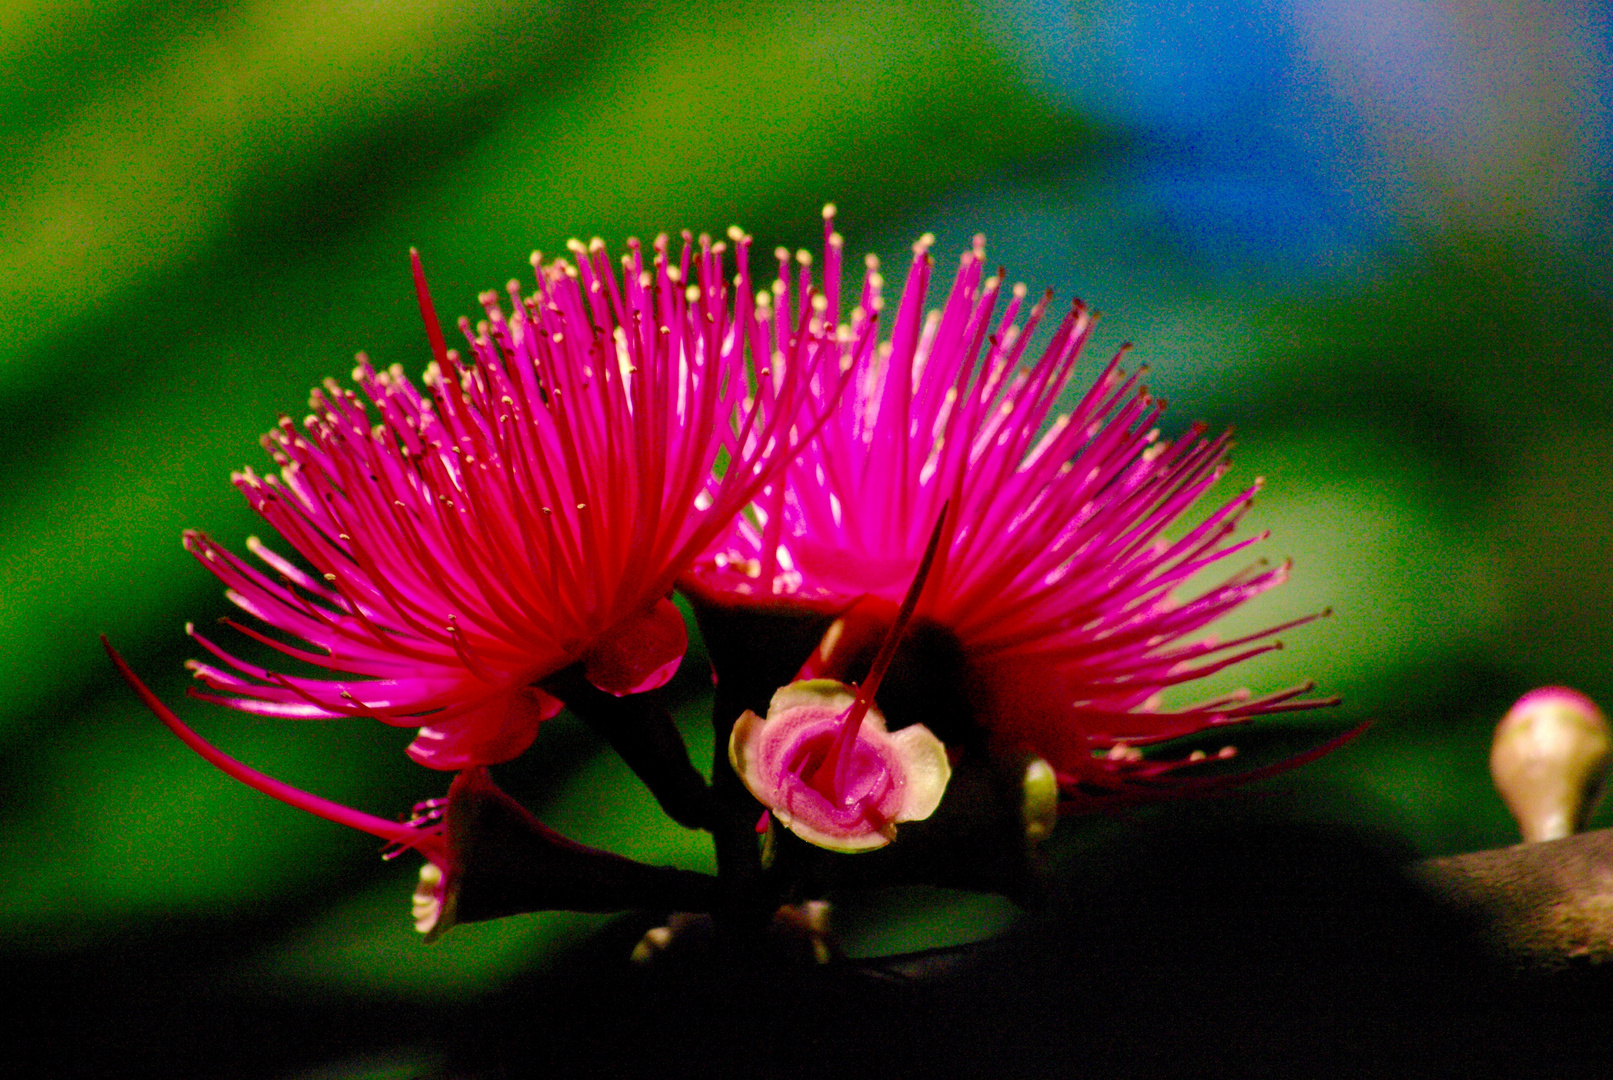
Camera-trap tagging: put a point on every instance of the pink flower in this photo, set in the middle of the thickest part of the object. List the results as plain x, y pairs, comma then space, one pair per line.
1054, 602
528, 509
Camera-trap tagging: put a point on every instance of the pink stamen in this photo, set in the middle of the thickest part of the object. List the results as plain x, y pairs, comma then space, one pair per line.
1060, 570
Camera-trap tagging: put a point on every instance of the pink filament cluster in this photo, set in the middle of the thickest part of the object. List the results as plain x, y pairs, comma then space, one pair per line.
528, 508
1056, 574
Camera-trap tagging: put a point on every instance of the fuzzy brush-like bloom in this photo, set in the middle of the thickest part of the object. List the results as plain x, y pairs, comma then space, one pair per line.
1053, 611
527, 509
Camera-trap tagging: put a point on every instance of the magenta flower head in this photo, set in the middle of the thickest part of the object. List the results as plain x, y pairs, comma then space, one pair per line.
525, 510
1053, 622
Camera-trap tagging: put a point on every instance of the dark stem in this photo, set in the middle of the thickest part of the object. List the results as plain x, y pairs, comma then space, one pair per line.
745, 901
755, 648
504, 861
640, 729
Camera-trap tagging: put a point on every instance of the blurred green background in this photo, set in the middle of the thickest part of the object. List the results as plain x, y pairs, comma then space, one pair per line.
1370, 236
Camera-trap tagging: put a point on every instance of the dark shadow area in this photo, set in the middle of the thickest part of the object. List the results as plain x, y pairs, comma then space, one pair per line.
160, 1004
1216, 943
1206, 940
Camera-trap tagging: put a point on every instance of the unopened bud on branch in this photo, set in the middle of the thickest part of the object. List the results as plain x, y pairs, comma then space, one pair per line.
1550, 761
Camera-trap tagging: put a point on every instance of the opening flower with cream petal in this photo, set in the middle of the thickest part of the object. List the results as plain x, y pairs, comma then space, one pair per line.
525, 511
824, 762
844, 794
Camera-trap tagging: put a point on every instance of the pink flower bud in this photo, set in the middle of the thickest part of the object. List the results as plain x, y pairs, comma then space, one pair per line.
1550, 761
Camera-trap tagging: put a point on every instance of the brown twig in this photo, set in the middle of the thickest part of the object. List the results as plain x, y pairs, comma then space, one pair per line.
1543, 904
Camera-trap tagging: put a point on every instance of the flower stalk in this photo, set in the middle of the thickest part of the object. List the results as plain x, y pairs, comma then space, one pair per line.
641, 731
507, 862
487, 855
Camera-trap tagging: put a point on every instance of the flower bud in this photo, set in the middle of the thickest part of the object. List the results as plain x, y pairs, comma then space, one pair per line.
1550, 760
1040, 808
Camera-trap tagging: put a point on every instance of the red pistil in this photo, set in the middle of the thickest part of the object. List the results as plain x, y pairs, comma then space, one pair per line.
836, 764
428, 313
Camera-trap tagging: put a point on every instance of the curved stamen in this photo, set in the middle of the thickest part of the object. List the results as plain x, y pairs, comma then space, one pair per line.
396, 832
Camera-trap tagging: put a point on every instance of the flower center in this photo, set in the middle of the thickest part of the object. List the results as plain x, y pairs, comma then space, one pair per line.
814, 764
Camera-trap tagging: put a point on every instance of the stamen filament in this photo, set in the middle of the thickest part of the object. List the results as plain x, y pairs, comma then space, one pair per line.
393, 831
428, 313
